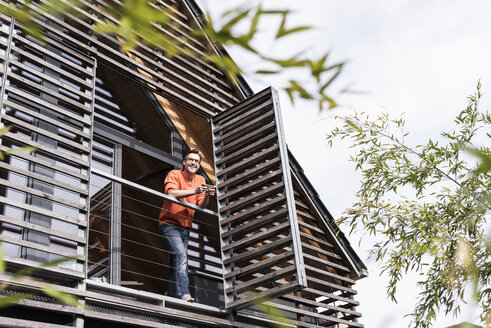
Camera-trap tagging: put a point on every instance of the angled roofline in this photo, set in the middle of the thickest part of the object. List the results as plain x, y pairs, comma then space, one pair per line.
340, 238
199, 17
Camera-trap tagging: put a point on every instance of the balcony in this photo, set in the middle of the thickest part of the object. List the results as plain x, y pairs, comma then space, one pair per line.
125, 247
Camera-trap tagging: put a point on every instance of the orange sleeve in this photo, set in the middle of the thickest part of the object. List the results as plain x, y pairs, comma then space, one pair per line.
171, 182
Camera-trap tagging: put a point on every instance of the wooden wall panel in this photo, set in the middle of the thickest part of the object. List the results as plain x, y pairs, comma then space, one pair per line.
184, 79
47, 97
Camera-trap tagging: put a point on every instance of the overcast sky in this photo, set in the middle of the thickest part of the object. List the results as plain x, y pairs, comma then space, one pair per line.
421, 58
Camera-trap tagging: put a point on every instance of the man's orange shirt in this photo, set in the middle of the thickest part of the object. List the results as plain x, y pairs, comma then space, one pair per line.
175, 213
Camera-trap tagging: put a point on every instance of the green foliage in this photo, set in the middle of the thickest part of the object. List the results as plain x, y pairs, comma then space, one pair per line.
26, 17
23, 275
9, 300
282, 31
136, 22
13, 150
427, 207
320, 74
485, 165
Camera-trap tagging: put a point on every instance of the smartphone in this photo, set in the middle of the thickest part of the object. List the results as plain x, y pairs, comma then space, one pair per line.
210, 187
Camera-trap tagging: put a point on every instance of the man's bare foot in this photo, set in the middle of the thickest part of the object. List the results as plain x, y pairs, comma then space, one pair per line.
187, 298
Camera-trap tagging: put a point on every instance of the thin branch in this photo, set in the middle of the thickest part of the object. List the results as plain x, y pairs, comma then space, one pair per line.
379, 132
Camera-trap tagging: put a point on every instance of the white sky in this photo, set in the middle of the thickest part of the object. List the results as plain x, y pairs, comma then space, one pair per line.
419, 57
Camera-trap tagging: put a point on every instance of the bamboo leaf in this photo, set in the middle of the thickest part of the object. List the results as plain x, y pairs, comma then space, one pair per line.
240, 15
103, 28
9, 300
5, 130
28, 270
266, 72
339, 68
289, 62
282, 25
25, 149
316, 67
22, 16
282, 31
326, 99
297, 29
254, 23
289, 92
276, 12
296, 88
227, 64
440, 233
60, 296
485, 165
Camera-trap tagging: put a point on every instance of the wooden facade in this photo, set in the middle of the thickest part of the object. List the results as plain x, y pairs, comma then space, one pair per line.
107, 127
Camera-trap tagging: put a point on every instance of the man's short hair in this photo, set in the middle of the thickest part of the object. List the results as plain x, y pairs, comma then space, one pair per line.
193, 151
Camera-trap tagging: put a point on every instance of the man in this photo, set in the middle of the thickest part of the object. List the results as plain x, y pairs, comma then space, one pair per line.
175, 220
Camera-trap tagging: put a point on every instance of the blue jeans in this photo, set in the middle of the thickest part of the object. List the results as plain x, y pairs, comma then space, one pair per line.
177, 240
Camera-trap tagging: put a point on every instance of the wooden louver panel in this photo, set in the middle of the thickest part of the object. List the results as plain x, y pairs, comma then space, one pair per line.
47, 98
259, 231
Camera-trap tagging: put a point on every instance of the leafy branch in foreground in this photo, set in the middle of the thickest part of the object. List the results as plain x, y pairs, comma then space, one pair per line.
141, 22
320, 74
10, 151
28, 18
428, 207
24, 275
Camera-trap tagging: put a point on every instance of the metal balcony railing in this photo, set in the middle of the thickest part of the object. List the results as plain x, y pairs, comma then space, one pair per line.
125, 247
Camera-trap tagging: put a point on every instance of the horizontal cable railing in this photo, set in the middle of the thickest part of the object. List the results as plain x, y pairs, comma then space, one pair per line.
206, 212
144, 256
152, 192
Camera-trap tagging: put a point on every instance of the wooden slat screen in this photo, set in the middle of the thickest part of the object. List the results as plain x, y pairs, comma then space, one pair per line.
47, 96
328, 299
259, 231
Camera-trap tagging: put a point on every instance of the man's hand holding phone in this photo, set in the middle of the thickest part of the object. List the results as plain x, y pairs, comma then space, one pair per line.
210, 190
